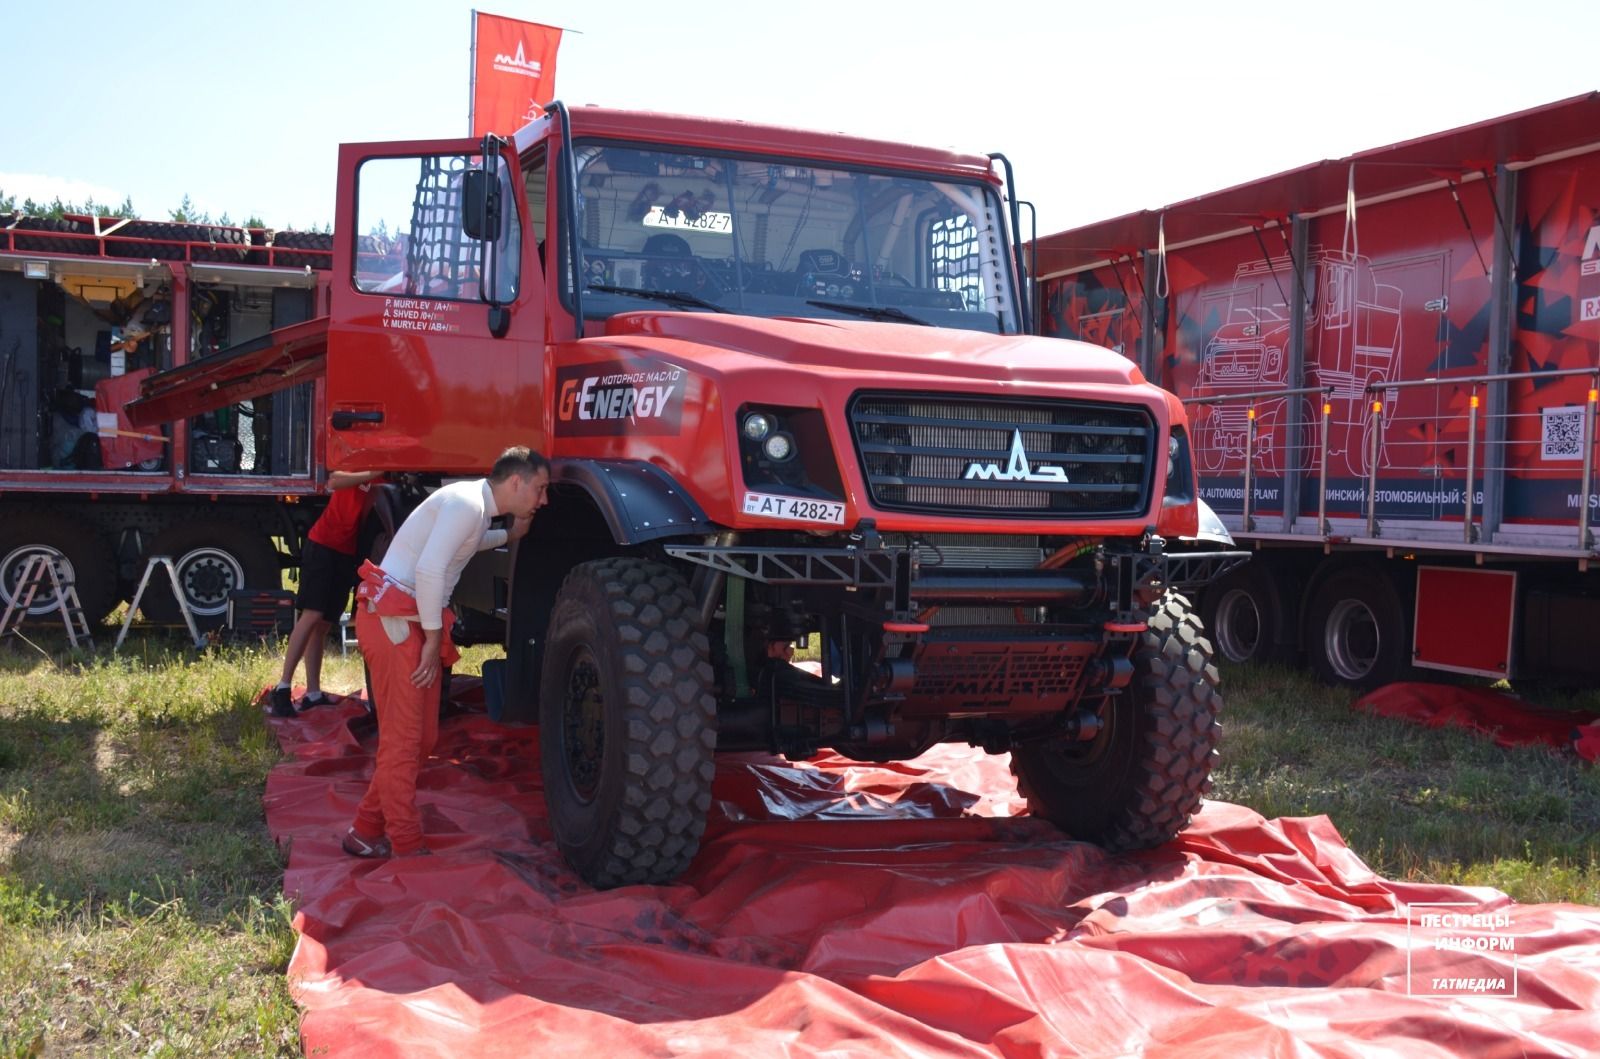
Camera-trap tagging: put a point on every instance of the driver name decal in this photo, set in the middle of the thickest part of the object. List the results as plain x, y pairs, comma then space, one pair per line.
596, 400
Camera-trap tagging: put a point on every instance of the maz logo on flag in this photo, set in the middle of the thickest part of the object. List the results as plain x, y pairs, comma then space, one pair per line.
1017, 468
517, 64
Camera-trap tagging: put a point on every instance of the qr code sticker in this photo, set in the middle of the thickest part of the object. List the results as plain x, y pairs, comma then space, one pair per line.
1563, 433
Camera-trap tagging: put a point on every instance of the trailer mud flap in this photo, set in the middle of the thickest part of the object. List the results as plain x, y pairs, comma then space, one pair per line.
1443, 639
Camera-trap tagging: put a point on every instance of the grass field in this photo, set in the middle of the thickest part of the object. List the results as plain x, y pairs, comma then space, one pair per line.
140, 910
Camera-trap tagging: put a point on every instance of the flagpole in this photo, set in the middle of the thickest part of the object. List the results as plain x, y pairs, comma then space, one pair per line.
472, 77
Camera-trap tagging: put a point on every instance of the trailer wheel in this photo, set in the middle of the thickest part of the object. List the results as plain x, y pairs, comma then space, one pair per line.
1356, 630
627, 722
212, 559
1247, 617
85, 559
1138, 782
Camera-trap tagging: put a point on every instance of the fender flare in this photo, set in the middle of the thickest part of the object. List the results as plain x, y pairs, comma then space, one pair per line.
639, 501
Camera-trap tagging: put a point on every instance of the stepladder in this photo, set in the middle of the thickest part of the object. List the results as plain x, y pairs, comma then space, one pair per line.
42, 572
154, 562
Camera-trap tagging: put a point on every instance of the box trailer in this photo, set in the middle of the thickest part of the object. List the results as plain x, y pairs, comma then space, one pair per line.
1391, 363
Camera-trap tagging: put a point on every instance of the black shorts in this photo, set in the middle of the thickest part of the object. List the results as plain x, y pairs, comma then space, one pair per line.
326, 580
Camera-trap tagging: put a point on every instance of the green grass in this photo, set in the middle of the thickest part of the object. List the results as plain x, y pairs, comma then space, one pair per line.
1415, 803
140, 896
140, 902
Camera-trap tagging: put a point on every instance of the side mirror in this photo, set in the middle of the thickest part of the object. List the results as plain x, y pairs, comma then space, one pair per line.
480, 206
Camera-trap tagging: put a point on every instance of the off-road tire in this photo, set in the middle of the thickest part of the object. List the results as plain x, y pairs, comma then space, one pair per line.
626, 661
1138, 783
89, 560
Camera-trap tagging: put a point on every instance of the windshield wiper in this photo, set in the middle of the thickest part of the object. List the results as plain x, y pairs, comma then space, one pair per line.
672, 297
871, 312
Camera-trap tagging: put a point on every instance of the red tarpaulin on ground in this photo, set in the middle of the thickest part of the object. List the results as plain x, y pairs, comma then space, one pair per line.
1507, 719
889, 910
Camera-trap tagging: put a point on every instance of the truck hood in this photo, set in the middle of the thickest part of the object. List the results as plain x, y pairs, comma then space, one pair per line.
871, 347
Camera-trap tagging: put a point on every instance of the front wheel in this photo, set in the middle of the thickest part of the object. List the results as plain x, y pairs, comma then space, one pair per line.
627, 722
1138, 782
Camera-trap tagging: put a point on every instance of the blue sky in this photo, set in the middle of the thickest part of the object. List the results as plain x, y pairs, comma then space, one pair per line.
1103, 108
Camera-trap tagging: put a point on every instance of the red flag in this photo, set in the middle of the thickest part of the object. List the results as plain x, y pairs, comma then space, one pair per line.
513, 72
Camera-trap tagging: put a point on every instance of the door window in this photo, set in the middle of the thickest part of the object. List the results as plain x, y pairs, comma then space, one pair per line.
409, 237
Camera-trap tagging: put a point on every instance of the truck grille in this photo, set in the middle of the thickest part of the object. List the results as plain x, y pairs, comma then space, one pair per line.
959, 456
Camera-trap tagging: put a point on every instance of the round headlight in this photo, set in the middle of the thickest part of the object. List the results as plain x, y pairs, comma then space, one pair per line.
757, 426
778, 447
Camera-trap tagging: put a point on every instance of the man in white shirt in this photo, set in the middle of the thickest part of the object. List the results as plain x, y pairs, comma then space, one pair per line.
401, 620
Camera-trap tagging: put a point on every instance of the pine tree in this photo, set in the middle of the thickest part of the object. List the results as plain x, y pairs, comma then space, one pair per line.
188, 213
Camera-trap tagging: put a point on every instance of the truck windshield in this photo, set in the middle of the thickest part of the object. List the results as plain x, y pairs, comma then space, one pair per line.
785, 237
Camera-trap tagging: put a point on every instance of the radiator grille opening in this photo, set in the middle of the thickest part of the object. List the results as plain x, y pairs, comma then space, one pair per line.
1056, 459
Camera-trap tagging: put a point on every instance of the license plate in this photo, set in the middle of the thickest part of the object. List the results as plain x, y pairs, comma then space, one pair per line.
799, 509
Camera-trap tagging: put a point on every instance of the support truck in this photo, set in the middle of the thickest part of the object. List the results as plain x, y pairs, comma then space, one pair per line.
1391, 363
90, 306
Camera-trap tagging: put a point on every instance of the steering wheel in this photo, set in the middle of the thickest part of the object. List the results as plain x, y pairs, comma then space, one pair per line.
684, 275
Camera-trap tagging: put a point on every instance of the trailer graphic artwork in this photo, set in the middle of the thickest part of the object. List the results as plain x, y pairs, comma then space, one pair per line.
1089, 311
1356, 324
1454, 340
1558, 291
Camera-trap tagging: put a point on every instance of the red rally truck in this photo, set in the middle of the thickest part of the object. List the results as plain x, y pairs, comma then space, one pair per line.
788, 387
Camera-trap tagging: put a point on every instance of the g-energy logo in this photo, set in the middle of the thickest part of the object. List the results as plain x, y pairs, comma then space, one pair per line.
610, 399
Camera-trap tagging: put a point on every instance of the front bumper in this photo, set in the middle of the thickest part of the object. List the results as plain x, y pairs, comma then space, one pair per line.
1116, 578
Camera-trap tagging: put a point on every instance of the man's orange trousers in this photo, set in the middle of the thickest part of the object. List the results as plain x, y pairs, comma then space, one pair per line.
408, 725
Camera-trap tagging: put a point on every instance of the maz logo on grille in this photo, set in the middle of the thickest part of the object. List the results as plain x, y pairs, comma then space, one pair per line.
1017, 468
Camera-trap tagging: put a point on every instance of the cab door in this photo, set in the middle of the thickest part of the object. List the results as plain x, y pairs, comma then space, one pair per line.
436, 326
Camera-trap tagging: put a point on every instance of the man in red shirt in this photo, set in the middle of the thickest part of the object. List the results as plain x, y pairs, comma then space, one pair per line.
327, 575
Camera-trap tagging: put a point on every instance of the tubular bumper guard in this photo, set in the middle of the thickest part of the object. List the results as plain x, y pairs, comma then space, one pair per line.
898, 569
